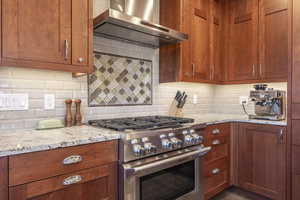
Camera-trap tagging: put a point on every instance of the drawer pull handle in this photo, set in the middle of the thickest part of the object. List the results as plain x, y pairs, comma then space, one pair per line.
216, 131
216, 142
72, 160
215, 171
72, 180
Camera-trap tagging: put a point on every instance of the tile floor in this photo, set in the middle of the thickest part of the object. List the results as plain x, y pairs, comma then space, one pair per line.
238, 194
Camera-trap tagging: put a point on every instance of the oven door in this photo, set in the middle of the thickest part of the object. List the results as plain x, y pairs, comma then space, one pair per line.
176, 175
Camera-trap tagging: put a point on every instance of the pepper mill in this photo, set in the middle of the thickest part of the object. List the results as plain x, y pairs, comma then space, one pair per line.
69, 117
78, 116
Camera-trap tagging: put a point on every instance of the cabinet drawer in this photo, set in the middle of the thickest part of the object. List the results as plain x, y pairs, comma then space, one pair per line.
216, 141
216, 168
296, 160
214, 131
41, 165
104, 175
215, 184
216, 153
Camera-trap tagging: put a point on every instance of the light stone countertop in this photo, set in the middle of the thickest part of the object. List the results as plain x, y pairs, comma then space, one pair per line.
16, 142
211, 119
26, 141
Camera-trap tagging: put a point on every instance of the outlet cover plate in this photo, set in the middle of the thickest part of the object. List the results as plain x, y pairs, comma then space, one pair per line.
49, 102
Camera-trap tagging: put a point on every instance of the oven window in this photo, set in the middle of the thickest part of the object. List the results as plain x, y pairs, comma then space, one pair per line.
168, 184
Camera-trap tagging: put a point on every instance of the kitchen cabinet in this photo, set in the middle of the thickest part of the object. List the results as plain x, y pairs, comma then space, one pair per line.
49, 34
4, 178
262, 160
82, 172
274, 39
217, 161
230, 41
243, 46
198, 58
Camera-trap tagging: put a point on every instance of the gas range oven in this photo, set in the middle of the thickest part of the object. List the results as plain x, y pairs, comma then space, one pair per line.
160, 157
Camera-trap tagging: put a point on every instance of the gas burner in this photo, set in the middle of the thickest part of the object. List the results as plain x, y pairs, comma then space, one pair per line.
141, 123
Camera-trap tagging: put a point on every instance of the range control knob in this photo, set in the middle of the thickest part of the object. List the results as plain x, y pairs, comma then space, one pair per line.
192, 131
171, 134
166, 143
185, 132
176, 143
138, 150
134, 141
145, 139
197, 138
188, 139
149, 148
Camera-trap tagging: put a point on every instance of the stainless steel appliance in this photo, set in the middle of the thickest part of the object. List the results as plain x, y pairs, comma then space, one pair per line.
160, 157
270, 104
133, 21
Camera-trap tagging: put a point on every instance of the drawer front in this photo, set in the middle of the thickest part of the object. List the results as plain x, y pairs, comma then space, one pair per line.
212, 184
216, 168
296, 160
216, 141
214, 131
41, 165
217, 152
57, 184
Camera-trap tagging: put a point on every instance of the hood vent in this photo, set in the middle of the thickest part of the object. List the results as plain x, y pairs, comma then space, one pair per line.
132, 21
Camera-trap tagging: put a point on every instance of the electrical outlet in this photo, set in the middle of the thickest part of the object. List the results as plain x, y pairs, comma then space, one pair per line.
49, 101
13, 102
195, 99
244, 100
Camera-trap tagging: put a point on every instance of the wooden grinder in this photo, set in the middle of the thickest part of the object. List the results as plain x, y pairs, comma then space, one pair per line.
69, 118
78, 116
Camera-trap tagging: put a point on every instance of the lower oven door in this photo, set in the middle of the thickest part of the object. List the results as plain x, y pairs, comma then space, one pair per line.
168, 177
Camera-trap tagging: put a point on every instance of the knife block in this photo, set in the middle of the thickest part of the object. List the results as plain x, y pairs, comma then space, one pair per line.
174, 111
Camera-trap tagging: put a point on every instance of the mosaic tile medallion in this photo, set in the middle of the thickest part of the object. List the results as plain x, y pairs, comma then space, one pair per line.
120, 80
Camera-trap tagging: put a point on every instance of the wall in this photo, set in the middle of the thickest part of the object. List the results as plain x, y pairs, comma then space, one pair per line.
212, 99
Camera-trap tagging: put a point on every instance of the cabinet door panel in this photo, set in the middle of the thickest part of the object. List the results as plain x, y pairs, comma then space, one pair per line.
274, 38
4, 178
37, 30
243, 40
296, 52
200, 39
262, 160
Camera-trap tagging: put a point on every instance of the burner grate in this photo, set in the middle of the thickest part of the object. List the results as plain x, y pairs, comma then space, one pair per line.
140, 123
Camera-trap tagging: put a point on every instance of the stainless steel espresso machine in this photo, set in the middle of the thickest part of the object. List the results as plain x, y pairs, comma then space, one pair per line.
270, 104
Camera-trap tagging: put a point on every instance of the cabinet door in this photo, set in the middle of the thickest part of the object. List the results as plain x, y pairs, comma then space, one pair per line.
200, 40
262, 160
4, 178
216, 19
35, 30
296, 53
274, 37
243, 45
96, 184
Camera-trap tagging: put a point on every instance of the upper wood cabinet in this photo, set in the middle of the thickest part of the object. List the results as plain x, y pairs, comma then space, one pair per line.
48, 34
262, 160
230, 41
274, 39
243, 46
197, 59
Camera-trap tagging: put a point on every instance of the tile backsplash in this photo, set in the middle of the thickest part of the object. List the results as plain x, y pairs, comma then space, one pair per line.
37, 83
119, 80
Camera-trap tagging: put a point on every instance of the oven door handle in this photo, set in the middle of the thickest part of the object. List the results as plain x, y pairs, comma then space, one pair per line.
182, 158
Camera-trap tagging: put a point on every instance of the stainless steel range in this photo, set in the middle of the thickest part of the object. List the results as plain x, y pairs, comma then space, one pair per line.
160, 157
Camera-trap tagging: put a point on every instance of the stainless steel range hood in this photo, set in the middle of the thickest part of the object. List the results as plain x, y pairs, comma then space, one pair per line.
132, 21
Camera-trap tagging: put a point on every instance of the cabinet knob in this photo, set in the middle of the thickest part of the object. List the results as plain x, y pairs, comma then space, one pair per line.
216, 171
80, 60
72, 180
216, 131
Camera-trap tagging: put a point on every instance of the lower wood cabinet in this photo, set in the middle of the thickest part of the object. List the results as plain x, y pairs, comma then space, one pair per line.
86, 172
217, 161
4, 178
262, 160
92, 184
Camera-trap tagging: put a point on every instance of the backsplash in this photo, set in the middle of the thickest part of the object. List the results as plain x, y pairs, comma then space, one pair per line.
119, 80
37, 83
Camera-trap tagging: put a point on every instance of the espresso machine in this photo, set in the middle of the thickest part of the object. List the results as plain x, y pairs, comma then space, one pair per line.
269, 104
